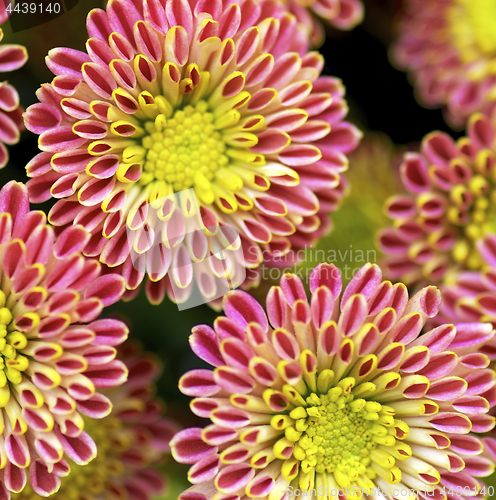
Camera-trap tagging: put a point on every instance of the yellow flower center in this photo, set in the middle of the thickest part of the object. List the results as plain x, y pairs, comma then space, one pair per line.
184, 150
472, 29
12, 364
88, 481
192, 147
341, 434
482, 219
337, 433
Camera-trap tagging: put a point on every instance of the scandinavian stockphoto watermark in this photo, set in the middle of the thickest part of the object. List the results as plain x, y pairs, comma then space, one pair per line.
358, 492
349, 261
203, 259
171, 235
24, 14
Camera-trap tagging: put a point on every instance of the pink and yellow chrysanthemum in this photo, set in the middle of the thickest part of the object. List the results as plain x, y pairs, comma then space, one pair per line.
337, 393
131, 440
449, 47
342, 14
224, 101
12, 57
449, 208
55, 355
472, 296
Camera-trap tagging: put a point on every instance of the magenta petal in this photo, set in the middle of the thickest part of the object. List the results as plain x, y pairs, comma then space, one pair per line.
178, 12
108, 289
60, 139
234, 477
41, 117
43, 482
12, 57
98, 406
14, 478
9, 130
64, 61
244, 309
112, 374
188, 447
9, 98
71, 240
198, 383
327, 275
14, 200
205, 344
365, 281
204, 470
80, 450
109, 332
16, 448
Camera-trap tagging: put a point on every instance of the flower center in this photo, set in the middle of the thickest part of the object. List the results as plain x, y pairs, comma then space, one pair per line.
472, 26
337, 433
88, 481
476, 223
184, 150
12, 364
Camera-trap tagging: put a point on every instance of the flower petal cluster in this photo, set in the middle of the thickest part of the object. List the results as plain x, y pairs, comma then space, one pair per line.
224, 101
339, 392
342, 14
449, 208
12, 57
55, 355
131, 440
449, 47
472, 297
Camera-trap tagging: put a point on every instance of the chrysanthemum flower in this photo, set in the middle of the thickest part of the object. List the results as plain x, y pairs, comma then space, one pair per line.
11, 125
449, 46
342, 14
450, 208
130, 441
337, 394
224, 101
472, 296
54, 352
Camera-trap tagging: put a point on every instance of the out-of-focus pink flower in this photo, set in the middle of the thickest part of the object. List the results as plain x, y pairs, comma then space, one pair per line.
11, 124
449, 47
55, 355
131, 440
449, 208
226, 101
342, 14
339, 392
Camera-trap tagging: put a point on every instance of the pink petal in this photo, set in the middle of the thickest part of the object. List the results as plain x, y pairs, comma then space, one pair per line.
188, 447
43, 482
64, 61
80, 450
14, 200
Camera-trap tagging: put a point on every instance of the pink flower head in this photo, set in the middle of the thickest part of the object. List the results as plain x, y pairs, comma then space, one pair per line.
223, 100
338, 392
472, 297
11, 125
449, 207
342, 14
449, 46
131, 440
54, 352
